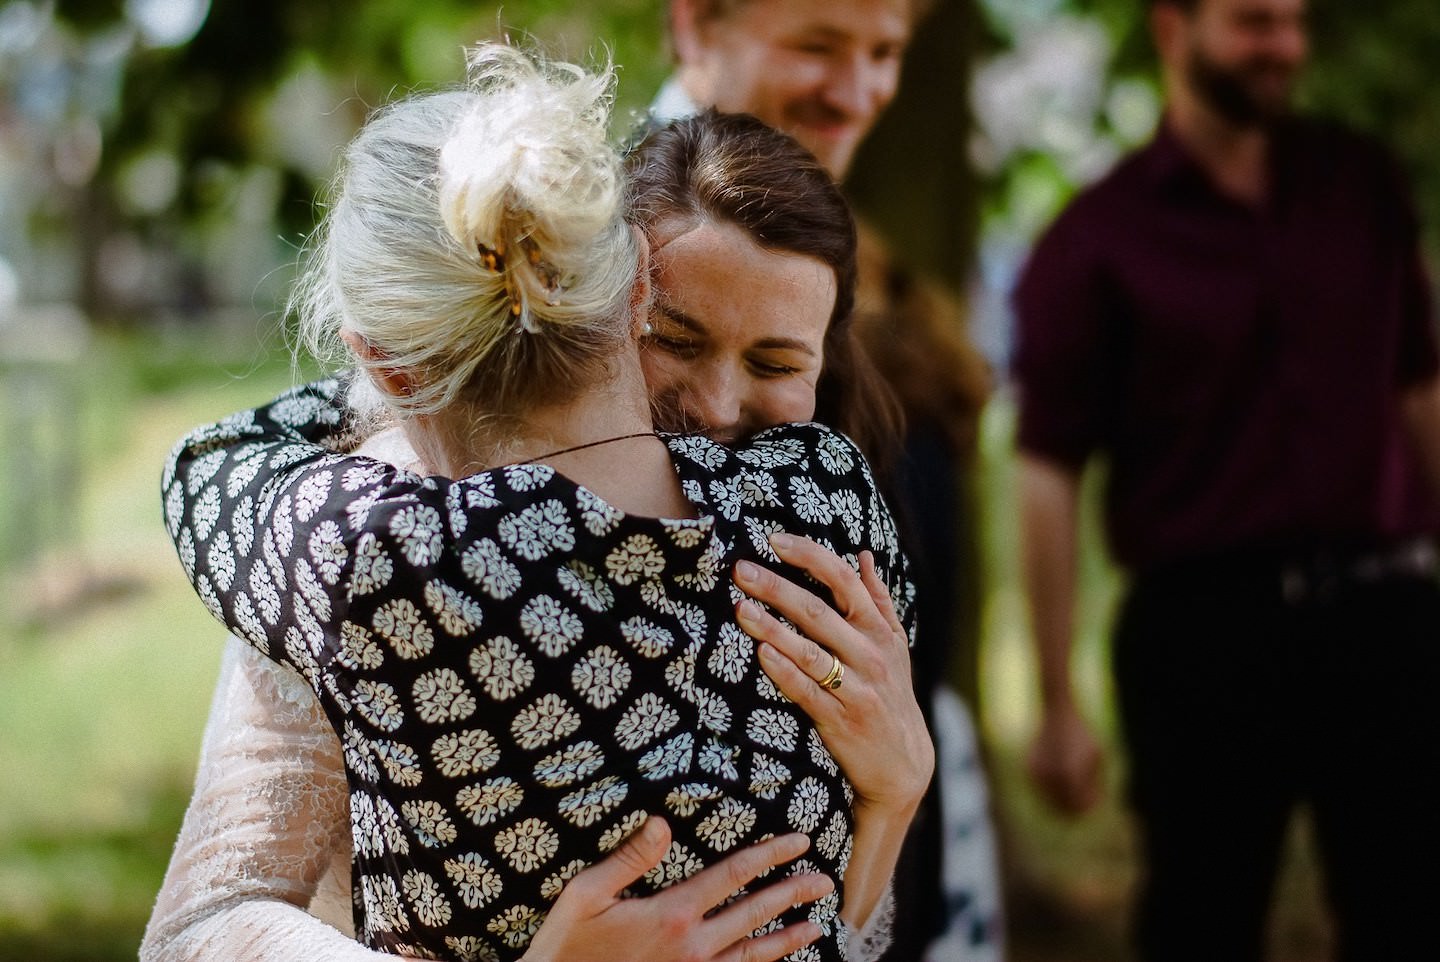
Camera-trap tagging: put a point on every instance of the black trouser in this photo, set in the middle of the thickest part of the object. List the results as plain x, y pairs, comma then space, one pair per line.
1237, 705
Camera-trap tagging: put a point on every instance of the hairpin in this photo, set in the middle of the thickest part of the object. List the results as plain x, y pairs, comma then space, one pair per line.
492, 258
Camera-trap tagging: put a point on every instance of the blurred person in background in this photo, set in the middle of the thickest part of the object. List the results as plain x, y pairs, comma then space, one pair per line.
824, 71
1236, 320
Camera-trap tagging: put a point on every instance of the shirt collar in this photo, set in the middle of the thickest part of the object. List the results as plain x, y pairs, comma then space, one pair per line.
672, 102
1167, 160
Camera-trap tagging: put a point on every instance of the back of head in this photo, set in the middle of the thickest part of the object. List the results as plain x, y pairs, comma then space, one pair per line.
476, 240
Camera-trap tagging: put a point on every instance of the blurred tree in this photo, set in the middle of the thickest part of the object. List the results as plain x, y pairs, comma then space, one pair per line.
239, 120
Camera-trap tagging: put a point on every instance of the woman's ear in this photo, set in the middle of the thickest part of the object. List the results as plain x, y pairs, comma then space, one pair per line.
641, 290
393, 381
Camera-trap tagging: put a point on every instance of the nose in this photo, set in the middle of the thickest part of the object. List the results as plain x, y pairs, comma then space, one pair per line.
852, 86
713, 398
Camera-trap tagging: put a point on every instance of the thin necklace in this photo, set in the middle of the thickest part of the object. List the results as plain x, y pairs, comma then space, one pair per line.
590, 444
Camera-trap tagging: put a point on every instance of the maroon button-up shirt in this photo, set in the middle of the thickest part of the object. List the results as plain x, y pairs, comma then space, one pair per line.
1239, 368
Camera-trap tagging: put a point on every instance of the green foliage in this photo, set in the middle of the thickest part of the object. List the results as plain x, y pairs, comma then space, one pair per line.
204, 101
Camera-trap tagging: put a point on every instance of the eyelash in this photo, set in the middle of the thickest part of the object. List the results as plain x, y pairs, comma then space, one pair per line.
773, 370
680, 347
685, 349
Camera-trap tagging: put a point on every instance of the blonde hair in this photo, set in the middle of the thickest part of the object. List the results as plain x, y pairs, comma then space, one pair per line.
476, 240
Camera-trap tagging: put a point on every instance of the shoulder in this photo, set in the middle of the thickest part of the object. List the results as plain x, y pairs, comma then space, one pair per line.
807, 448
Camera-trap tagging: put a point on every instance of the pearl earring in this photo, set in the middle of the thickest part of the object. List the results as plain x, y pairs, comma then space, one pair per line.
647, 329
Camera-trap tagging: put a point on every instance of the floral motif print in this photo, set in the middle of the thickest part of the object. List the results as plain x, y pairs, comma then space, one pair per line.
520, 672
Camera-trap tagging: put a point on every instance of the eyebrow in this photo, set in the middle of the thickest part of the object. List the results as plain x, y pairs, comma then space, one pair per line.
765, 343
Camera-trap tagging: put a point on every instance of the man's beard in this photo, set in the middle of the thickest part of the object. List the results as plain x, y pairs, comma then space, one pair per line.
1233, 93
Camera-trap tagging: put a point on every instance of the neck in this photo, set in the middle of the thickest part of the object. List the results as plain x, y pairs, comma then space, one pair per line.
635, 474
1235, 156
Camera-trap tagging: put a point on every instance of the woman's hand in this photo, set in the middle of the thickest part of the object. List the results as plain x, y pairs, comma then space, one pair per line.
871, 721
590, 922
867, 716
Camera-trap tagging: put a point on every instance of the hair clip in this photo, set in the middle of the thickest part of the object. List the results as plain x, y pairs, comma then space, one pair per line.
548, 273
492, 258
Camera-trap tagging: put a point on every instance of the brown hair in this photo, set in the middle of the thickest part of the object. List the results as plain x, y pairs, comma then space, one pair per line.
735, 169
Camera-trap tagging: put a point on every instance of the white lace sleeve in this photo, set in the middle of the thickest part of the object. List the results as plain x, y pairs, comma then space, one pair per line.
869, 942
269, 816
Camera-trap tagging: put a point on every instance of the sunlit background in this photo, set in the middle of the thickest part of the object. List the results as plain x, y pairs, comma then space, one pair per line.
158, 165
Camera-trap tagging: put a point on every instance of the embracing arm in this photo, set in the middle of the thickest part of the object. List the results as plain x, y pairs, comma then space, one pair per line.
871, 723
269, 814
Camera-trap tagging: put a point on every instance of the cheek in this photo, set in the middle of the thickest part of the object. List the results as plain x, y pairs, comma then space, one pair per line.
792, 76
663, 374
783, 402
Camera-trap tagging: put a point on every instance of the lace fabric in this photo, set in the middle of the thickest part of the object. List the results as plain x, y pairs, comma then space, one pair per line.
268, 817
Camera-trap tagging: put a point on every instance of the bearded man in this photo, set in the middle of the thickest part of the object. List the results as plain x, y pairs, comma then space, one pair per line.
1237, 321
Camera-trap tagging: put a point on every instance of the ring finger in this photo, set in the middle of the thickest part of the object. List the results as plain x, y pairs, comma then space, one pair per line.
817, 664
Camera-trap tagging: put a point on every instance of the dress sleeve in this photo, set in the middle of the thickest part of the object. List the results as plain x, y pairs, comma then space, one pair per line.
869, 942
273, 529
269, 816
810, 480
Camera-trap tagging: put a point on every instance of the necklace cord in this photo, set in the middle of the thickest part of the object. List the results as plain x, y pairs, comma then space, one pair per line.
589, 444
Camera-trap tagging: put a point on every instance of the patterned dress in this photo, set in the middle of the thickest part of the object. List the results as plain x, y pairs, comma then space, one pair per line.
519, 672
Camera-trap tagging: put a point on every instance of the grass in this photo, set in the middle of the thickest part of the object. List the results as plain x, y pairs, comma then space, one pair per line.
106, 660
107, 664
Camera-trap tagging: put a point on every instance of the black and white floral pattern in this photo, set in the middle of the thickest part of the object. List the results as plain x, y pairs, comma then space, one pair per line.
518, 671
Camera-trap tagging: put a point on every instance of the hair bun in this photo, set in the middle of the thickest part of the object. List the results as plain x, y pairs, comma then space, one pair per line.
523, 185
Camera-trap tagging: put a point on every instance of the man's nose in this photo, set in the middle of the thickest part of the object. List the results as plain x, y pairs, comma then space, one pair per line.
850, 86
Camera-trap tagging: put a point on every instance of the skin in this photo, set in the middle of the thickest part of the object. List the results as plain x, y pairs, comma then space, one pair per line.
821, 70
726, 358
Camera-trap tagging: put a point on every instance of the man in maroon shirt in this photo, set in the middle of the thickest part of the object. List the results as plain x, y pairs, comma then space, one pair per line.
1237, 322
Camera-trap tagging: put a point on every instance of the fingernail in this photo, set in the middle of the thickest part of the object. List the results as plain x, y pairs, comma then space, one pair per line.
767, 653
746, 571
748, 612
781, 540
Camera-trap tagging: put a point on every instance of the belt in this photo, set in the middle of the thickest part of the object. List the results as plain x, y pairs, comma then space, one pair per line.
1318, 576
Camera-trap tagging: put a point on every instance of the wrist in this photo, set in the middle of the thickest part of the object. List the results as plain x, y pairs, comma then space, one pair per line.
886, 814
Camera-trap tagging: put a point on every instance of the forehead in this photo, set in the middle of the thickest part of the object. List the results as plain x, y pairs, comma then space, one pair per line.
861, 21
716, 276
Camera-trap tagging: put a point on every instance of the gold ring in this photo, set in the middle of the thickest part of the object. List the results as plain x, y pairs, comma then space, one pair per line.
836, 676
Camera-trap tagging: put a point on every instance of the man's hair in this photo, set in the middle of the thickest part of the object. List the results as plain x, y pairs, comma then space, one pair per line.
1189, 6
734, 169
